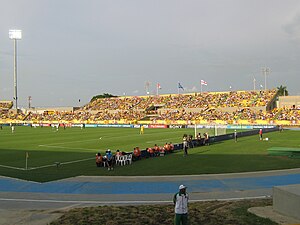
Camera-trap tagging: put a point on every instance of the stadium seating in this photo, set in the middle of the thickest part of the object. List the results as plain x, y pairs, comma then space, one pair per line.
211, 107
5, 105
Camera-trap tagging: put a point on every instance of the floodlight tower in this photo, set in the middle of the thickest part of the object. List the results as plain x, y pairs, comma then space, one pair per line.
266, 71
15, 35
29, 102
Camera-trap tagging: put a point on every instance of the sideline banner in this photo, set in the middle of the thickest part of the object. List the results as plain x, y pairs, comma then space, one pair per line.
157, 126
89, 125
139, 126
206, 126
114, 125
177, 126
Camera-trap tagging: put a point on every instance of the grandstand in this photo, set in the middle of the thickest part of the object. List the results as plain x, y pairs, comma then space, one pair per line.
6, 105
235, 107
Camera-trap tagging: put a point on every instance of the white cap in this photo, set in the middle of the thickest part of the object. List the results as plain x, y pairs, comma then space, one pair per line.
182, 187
108, 150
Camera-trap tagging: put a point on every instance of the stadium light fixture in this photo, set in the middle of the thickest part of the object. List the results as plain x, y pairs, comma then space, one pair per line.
266, 71
15, 35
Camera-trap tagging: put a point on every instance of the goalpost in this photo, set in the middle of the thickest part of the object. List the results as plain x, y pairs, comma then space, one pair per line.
216, 130
220, 130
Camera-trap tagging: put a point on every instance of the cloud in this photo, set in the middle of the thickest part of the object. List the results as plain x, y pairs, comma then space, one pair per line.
292, 28
6, 89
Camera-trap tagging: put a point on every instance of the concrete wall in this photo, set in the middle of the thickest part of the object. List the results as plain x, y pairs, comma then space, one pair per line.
289, 101
286, 200
55, 109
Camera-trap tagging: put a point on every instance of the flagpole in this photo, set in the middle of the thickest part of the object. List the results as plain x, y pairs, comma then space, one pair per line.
201, 87
26, 160
157, 89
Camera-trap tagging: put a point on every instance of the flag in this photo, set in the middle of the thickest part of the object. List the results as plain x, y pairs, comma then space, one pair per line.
180, 86
158, 86
203, 82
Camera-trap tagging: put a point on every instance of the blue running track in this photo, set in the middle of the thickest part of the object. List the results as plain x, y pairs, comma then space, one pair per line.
149, 187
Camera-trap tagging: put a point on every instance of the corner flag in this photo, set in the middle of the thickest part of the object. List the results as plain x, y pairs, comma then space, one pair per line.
26, 160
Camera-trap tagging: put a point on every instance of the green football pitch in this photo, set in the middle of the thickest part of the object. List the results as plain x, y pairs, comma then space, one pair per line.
71, 152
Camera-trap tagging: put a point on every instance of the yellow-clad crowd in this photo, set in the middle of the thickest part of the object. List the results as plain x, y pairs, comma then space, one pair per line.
211, 107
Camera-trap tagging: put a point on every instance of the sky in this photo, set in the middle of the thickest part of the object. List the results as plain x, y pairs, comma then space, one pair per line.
72, 50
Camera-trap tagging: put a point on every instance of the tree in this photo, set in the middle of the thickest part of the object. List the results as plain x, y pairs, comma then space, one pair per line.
282, 91
104, 95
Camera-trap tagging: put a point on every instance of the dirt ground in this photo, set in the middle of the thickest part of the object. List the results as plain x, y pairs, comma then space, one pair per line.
210, 213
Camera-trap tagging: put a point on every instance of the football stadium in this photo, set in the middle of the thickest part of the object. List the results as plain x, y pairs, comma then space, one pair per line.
44, 144
149, 112
146, 136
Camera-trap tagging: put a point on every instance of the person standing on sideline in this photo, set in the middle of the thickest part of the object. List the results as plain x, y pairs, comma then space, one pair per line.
185, 144
235, 136
12, 129
99, 159
142, 129
180, 201
260, 134
198, 137
109, 158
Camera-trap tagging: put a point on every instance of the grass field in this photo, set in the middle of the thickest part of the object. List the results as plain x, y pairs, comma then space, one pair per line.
75, 149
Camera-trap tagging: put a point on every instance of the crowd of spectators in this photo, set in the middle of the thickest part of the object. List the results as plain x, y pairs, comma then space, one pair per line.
290, 114
203, 114
87, 116
116, 103
210, 99
210, 106
7, 115
6, 105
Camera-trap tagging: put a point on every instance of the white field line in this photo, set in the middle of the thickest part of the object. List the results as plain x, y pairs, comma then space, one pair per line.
71, 142
45, 166
63, 163
53, 146
123, 202
96, 139
75, 161
12, 167
155, 141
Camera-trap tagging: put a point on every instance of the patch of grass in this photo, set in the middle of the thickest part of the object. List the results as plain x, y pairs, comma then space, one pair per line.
46, 146
209, 213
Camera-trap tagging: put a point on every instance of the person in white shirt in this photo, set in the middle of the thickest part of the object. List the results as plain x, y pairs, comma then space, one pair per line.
181, 206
